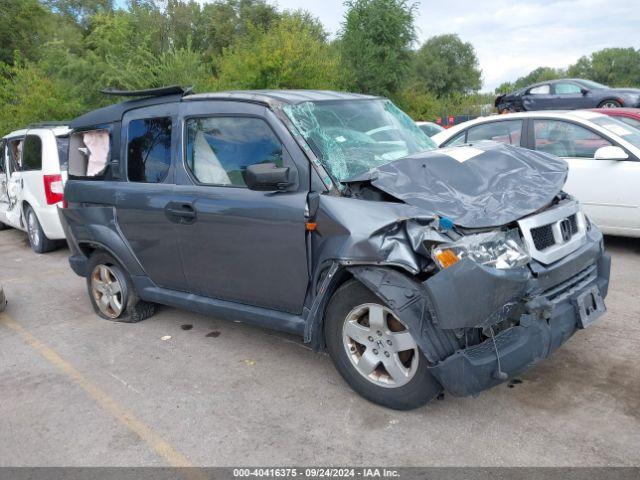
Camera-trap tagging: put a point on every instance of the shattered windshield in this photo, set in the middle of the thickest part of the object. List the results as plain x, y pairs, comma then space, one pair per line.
350, 137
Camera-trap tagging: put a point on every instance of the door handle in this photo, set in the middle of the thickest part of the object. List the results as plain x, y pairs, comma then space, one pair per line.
180, 212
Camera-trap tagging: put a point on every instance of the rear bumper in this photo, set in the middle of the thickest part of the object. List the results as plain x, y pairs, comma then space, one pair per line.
540, 332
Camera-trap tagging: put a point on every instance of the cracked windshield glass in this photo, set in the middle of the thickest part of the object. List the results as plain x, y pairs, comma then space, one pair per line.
352, 137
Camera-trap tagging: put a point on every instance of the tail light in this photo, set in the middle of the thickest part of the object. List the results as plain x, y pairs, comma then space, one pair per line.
53, 189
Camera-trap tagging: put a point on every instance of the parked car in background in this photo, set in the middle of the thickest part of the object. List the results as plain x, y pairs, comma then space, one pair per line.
567, 94
291, 210
430, 128
630, 116
603, 155
33, 169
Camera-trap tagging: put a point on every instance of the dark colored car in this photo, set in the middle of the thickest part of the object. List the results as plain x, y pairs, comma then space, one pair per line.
567, 94
331, 216
630, 116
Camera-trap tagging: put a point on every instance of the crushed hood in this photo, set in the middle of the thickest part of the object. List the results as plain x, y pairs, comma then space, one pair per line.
481, 185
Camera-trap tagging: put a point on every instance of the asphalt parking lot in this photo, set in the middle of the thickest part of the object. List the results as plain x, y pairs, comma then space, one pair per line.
80, 391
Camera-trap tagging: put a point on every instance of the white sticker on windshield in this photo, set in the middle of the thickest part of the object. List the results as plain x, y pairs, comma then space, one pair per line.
462, 154
617, 129
341, 139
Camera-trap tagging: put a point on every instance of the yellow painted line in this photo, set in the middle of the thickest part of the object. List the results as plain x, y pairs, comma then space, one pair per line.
160, 446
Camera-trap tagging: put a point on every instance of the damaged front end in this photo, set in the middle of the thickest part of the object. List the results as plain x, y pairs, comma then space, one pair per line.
511, 271
478, 325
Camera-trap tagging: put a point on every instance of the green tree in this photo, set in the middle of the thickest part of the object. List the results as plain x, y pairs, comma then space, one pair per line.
79, 10
616, 67
375, 44
445, 65
292, 53
27, 95
23, 28
223, 21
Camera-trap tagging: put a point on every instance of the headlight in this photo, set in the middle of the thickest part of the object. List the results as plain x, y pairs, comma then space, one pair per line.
496, 249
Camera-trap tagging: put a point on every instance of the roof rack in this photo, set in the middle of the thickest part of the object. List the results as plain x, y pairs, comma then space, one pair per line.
151, 92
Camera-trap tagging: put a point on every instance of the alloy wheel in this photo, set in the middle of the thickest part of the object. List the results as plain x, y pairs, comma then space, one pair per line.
32, 228
380, 346
107, 291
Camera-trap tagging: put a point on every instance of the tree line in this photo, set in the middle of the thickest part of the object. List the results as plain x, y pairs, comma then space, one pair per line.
55, 55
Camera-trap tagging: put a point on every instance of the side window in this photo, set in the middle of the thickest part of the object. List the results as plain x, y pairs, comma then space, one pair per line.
32, 153
149, 150
219, 149
89, 153
540, 90
509, 132
457, 140
566, 139
567, 88
15, 155
63, 151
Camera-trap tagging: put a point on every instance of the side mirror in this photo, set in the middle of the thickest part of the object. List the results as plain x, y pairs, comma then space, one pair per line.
267, 177
585, 91
611, 153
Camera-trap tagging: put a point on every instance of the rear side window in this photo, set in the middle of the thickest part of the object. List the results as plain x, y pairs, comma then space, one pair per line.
32, 153
149, 150
219, 149
63, 151
509, 132
89, 153
3, 168
567, 88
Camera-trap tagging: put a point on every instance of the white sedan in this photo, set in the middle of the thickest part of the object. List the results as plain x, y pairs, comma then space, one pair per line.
603, 156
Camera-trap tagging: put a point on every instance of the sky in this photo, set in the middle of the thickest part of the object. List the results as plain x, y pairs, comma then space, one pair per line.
513, 37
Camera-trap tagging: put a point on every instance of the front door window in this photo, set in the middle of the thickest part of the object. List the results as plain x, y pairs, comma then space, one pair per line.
565, 139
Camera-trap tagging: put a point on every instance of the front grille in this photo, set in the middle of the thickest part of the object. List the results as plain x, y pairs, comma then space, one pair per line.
543, 237
555, 232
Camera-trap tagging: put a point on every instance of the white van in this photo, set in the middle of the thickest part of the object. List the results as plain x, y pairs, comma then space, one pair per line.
33, 170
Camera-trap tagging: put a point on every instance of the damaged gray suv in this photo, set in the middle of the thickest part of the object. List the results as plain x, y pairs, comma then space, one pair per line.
332, 216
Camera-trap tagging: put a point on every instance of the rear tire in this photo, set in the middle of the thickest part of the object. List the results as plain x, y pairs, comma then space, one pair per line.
112, 293
37, 239
407, 383
610, 104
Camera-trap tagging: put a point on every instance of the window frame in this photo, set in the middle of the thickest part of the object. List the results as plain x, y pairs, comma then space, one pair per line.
108, 173
494, 122
531, 137
9, 159
41, 150
465, 132
540, 86
287, 159
171, 145
555, 88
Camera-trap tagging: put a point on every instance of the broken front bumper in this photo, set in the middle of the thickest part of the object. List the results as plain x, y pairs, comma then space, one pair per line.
544, 301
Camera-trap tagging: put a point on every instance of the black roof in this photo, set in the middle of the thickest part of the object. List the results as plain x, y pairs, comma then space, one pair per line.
114, 113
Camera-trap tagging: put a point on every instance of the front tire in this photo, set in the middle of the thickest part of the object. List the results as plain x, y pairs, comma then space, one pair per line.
37, 239
375, 352
112, 293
